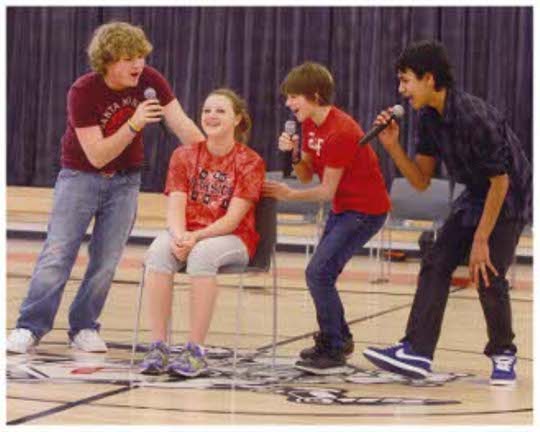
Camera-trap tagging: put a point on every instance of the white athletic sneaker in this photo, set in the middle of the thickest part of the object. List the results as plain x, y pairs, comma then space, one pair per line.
20, 340
89, 340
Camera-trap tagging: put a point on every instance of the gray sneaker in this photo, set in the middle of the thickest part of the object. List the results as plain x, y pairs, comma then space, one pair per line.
190, 363
155, 361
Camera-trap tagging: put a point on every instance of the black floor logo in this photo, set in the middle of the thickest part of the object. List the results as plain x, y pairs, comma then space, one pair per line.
254, 371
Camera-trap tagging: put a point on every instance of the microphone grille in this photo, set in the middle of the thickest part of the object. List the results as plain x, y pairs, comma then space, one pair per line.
290, 127
398, 111
150, 93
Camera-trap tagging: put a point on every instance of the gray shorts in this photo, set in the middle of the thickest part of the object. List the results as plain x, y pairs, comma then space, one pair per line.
206, 257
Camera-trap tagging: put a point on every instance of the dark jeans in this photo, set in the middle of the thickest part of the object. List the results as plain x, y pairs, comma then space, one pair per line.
451, 247
343, 234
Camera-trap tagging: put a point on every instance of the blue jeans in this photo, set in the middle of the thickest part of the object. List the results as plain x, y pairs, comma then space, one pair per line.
343, 234
79, 197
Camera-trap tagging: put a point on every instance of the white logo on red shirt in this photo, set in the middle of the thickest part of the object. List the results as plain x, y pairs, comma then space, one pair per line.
315, 143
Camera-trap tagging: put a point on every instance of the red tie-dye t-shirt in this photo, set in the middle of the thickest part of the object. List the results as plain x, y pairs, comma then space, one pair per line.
210, 183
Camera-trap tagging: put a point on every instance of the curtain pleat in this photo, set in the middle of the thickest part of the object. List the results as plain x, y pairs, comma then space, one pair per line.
250, 49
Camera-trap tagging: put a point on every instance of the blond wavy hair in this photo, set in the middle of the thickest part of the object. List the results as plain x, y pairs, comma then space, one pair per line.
114, 41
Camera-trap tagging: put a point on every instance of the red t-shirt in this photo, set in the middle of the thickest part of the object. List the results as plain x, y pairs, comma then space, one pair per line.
210, 183
335, 144
91, 103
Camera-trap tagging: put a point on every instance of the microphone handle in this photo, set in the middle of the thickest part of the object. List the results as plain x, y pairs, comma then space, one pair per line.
164, 128
286, 163
153, 95
374, 132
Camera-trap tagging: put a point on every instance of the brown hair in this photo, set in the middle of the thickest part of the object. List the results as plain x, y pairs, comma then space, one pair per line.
312, 80
115, 40
242, 129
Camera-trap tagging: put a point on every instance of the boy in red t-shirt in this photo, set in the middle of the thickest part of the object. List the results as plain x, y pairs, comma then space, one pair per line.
212, 190
352, 180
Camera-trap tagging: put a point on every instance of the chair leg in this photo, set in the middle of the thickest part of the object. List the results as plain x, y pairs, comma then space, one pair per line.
170, 319
389, 249
380, 255
274, 308
238, 324
371, 258
137, 318
379, 258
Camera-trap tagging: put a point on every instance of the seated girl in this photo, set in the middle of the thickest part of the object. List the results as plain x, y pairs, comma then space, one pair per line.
212, 189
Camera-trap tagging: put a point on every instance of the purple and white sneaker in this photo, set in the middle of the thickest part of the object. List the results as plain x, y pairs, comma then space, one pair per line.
400, 359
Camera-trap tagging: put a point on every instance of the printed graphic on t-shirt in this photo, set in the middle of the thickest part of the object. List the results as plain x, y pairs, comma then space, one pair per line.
117, 114
315, 143
212, 188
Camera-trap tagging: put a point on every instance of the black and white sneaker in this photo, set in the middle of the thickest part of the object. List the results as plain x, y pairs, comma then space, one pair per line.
316, 349
324, 362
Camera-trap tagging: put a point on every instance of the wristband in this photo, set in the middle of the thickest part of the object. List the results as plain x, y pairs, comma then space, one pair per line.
132, 127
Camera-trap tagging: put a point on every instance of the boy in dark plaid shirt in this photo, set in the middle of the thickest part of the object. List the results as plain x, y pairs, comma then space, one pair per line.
481, 151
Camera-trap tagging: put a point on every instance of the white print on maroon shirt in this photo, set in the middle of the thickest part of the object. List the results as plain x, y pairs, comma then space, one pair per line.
212, 188
116, 112
315, 143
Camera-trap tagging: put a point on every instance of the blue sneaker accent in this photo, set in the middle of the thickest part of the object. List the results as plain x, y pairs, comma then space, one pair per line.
400, 359
155, 361
190, 363
503, 369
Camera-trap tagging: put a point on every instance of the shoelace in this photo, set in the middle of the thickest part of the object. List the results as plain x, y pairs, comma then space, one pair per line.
195, 350
155, 354
159, 347
504, 363
183, 359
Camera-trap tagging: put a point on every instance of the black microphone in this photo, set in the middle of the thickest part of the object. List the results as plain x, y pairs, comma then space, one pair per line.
288, 157
150, 93
397, 113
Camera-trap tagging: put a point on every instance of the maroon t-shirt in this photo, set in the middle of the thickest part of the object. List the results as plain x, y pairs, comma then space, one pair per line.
90, 102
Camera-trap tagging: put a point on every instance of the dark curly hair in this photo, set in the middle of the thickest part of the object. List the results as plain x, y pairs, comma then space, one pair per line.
427, 56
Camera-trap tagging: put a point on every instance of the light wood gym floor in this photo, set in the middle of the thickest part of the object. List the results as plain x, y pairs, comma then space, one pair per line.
59, 386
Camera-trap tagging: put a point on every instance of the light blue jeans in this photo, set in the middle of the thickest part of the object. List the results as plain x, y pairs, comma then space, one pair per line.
78, 197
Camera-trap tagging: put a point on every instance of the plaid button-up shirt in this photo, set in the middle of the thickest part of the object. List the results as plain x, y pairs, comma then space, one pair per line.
475, 143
